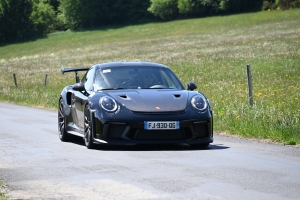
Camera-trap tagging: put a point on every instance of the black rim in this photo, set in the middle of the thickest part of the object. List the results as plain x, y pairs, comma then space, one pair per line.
61, 119
87, 127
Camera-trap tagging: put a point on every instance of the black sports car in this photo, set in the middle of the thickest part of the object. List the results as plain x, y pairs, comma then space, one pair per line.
133, 103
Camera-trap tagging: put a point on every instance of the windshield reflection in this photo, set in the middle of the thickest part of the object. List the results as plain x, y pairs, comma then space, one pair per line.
136, 78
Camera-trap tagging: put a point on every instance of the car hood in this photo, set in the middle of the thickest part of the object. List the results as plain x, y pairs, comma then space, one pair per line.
152, 100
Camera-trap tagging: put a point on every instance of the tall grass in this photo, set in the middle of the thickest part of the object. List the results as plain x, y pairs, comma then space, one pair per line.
213, 52
3, 190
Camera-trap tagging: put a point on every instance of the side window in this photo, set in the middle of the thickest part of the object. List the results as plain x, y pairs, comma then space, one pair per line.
169, 81
88, 78
99, 82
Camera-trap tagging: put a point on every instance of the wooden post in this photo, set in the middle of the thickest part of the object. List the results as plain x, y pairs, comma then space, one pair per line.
45, 84
250, 85
15, 79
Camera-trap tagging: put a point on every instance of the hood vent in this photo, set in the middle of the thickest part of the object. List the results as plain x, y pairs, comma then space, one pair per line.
124, 96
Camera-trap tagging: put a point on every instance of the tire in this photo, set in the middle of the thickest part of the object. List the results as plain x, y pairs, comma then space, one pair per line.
62, 133
88, 136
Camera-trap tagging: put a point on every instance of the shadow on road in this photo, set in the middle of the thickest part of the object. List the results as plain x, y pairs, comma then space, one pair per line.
160, 147
154, 147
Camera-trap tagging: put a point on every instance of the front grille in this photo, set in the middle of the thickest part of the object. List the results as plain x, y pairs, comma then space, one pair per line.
159, 135
136, 131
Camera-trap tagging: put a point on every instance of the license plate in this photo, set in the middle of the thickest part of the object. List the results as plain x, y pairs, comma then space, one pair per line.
161, 125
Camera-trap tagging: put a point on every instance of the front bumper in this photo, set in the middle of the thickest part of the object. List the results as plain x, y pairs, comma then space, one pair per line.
196, 129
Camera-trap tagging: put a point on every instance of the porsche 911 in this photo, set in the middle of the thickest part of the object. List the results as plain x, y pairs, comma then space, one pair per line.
133, 103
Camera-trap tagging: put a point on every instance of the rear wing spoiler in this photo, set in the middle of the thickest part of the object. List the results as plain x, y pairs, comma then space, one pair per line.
76, 70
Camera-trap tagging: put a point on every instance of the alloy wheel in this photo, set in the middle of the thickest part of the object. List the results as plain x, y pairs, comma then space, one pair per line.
88, 129
63, 135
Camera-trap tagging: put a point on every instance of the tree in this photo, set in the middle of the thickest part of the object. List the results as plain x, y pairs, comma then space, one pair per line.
239, 6
286, 4
164, 9
94, 13
15, 20
280, 4
43, 17
198, 8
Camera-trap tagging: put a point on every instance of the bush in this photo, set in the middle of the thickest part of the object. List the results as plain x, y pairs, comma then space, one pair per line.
43, 17
280, 4
197, 8
286, 4
164, 9
295, 4
268, 5
72, 13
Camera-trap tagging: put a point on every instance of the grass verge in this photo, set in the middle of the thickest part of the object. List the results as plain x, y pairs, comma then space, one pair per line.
212, 51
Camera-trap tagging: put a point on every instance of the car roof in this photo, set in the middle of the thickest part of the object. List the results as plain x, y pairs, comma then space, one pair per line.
129, 64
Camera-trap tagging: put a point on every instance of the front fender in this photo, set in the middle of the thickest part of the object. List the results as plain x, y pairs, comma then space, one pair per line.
66, 95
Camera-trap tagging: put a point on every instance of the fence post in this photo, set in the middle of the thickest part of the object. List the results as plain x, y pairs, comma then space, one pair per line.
250, 85
15, 79
45, 84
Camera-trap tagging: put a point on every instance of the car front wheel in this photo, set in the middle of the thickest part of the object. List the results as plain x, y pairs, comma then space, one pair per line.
88, 137
63, 135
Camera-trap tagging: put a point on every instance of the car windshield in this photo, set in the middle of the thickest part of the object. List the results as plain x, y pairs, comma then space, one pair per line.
136, 78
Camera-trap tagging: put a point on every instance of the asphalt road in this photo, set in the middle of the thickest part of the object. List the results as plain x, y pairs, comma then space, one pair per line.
35, 164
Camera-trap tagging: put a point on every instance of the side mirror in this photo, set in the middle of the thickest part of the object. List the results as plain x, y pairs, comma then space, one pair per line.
191, 86
78, 87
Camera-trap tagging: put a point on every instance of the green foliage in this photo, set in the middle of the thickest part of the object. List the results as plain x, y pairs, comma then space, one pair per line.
43, 17
283, 4
295, 4
190, 7
268, 5
74, 13
26, 19
238, 6
54, 4
164, 9
15, 20
137, 10
280, 4
197, 8
95, 13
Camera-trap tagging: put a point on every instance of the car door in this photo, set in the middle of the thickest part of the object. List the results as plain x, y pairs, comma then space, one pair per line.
81, 97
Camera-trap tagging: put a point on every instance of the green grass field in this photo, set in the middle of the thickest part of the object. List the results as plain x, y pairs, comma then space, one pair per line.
213, 52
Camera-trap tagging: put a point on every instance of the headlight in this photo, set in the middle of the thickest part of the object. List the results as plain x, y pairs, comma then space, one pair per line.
108, 104
199, 102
